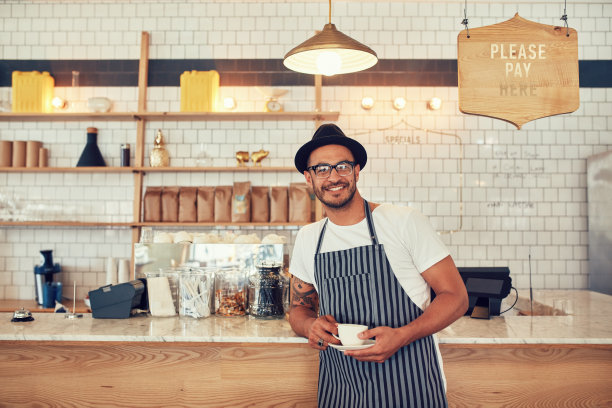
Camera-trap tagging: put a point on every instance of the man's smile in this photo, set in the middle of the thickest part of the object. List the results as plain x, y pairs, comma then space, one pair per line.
335, 187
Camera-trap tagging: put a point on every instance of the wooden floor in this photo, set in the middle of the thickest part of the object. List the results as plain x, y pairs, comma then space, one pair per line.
153, 374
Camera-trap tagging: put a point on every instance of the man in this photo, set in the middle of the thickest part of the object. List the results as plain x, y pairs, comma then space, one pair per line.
370, 264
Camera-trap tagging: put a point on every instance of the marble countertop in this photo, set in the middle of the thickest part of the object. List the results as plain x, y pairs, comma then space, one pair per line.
588, 321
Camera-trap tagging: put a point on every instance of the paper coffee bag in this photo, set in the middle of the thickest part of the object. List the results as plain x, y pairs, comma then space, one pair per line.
260, 204
187, 204
223, 204
170, 204
279, 204
206, 204
152, 204
241, 202
300, 203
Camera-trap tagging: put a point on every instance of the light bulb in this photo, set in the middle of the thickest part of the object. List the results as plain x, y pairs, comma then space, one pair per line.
399, 103
329, 63
229, 103
434, 103
58, 103
367, 102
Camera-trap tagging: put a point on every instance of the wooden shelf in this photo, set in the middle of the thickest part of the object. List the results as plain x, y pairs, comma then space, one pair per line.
163, 116
144, 224
101, 169
218, 224
64, 224
241, 116
247, 169
66, 116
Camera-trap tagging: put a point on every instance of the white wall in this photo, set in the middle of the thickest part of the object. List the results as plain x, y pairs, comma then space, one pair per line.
523, 191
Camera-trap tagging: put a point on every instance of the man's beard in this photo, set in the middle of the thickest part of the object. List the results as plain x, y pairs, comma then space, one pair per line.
352, 188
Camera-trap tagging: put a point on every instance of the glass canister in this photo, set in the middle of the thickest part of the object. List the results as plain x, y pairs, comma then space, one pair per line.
162, 291
266, 291
196, 286
230, 299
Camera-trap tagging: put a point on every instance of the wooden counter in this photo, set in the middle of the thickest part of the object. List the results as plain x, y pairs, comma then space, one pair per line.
217, 362
10, 305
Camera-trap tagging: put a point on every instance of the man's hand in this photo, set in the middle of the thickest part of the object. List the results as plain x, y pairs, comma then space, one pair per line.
320, 332
388, 341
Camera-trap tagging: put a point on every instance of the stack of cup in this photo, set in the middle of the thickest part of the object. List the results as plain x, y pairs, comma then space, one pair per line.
19, 153
6, 153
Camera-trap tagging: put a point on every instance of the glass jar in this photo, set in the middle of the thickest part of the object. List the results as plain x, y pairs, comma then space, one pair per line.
162, 291
266, 291
230, 299
196, 287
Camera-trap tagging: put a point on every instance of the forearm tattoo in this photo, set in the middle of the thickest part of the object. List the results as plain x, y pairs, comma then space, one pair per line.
303, 294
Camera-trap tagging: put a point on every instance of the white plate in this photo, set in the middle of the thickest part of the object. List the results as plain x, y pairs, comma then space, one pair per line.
368, 343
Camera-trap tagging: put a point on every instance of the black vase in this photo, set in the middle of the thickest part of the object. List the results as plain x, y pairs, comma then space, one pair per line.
91, 156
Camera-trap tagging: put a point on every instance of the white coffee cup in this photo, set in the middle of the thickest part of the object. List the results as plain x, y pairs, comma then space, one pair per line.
347, 334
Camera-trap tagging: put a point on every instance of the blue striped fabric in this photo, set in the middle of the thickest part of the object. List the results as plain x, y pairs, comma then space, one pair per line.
357, 285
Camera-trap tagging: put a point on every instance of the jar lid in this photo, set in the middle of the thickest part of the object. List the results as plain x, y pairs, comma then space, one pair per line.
269, 264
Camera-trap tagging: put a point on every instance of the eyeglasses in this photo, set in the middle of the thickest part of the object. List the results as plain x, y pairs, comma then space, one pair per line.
323, 170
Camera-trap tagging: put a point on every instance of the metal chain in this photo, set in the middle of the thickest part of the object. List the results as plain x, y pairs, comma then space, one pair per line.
564, 18
465, 20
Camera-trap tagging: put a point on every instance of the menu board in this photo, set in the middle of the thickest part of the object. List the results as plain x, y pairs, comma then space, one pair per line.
518, 71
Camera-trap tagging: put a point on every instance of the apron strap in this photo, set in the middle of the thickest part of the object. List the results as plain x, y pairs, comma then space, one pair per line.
370, 220
321, 236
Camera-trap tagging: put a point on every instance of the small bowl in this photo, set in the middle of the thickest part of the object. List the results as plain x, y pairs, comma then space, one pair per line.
100, 104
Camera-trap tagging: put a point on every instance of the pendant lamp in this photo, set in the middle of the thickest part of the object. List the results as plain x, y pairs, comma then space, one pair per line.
330, 52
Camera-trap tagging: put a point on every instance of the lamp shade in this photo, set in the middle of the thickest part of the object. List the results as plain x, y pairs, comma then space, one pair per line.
330, 52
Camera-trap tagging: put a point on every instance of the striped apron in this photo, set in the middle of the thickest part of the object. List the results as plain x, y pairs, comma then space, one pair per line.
358, 286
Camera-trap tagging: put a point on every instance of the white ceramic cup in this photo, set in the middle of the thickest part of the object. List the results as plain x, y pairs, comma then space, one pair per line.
347, 334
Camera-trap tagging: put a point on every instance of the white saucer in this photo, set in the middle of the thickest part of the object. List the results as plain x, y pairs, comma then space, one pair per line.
368, 343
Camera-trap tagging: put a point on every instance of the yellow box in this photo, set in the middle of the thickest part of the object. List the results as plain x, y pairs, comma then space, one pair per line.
199, 91
32, 91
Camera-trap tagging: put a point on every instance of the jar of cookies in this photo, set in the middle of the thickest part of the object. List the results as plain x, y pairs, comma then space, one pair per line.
230, 284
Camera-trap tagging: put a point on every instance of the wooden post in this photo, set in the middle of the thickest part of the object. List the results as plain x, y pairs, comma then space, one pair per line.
143, 75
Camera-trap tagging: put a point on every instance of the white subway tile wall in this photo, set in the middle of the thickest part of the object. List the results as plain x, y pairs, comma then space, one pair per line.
498, 196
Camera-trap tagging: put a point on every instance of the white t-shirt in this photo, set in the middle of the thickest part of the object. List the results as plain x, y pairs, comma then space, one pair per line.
410, 242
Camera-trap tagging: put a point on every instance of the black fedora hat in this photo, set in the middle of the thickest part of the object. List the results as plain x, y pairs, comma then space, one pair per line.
329, 134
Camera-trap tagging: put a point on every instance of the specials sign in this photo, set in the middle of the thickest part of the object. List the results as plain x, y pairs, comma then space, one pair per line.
518, 71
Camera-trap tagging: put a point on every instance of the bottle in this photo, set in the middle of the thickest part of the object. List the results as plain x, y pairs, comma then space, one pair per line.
91, 156
125, 155
159, 155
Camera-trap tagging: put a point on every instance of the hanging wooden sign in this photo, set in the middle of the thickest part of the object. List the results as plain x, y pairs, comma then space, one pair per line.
518, 71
